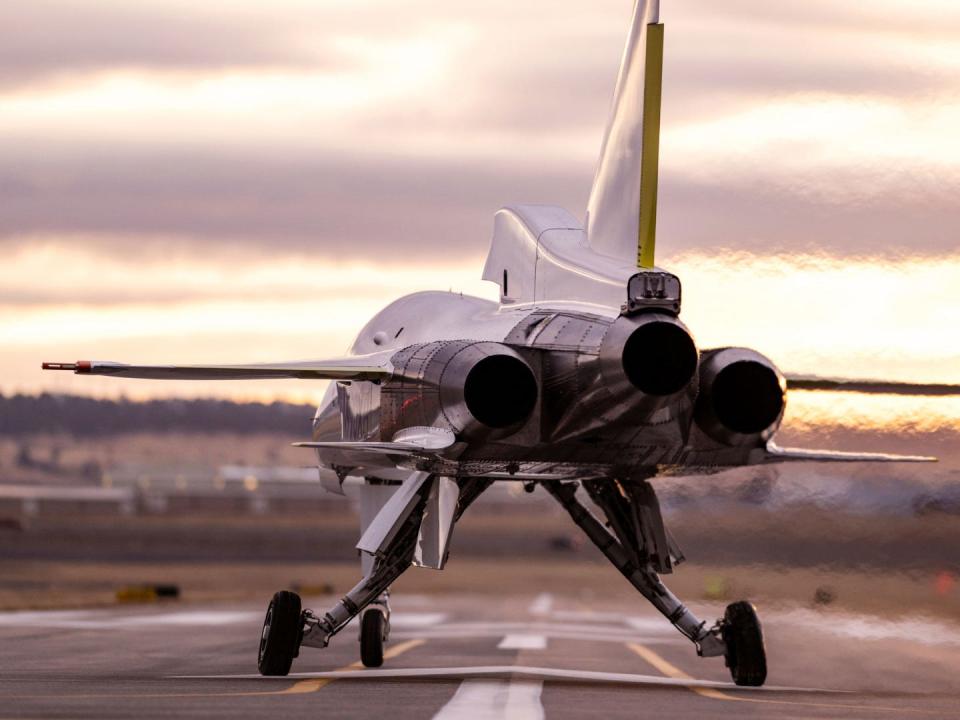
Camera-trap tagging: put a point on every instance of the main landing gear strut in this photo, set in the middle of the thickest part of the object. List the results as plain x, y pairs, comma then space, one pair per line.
278, 646
287, 627
640, 547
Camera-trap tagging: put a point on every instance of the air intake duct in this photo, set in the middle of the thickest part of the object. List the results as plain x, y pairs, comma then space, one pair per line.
742, 396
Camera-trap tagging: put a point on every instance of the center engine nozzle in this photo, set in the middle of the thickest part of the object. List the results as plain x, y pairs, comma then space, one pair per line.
742, 396
649, 358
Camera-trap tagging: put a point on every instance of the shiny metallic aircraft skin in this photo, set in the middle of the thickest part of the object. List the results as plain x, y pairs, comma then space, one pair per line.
581, 381
588, 417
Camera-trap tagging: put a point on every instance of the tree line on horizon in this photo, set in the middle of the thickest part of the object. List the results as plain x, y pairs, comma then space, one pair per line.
91, 417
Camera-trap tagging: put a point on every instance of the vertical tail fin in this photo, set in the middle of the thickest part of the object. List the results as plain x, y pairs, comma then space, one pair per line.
622, 212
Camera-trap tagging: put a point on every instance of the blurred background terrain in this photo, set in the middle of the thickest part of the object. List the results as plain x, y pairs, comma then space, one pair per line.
208, 495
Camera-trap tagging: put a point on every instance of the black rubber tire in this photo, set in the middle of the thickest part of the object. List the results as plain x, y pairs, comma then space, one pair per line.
373, 625
280, 638
743, 637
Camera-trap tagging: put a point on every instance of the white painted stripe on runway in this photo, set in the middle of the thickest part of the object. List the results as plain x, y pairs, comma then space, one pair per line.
494, 700
541, 605
540, 628
113, 620
655, 624
650, 623
523, 642
517, 671
410, 621
565, 631
107, 620
441, 634
415, 620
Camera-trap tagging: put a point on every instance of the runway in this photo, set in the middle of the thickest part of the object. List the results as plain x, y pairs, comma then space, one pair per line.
461, 657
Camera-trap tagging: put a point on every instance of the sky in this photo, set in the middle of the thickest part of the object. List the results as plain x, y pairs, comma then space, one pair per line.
235, 181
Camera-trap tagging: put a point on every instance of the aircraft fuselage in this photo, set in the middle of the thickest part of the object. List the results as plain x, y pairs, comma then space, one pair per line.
551, 387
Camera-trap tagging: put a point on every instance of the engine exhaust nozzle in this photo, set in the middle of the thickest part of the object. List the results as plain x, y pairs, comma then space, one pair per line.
651, 358
742, 396
477, 390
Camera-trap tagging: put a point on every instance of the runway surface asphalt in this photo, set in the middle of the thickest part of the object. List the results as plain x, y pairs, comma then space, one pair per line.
470, 657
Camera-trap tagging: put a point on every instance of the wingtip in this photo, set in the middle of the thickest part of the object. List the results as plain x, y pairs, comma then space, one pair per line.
58, 366
81, 366
914, 458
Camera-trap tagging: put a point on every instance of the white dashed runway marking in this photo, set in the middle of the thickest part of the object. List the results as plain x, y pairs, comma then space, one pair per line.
494, 700
523, 642
106, 620
110, 619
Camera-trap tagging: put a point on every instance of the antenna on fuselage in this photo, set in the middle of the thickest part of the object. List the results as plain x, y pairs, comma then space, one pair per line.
622, 212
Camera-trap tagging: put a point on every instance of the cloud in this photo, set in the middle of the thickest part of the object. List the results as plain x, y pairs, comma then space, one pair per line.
195, 201
59, 40
756, 217
49, 41
381, 131
167, 280
143, 201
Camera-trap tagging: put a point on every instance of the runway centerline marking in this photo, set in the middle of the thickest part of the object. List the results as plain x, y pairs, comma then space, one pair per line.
494, 699
671, 670
523, 642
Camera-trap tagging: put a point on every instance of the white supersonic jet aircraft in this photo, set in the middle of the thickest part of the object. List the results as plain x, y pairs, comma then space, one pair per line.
582, 380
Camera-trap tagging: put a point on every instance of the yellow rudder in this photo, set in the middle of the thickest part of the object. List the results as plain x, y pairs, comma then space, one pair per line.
650, 152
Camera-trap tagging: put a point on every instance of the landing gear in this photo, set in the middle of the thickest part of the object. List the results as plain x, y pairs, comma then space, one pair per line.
391, 543
280, 638
373, 630
635, 540
394, 554
743, 638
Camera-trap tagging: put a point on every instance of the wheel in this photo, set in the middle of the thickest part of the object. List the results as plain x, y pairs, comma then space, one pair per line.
743, 637
280, 639
373, 625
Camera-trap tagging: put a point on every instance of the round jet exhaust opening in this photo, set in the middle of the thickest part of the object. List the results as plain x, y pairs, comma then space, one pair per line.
500, 391
747, 397
660, 358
